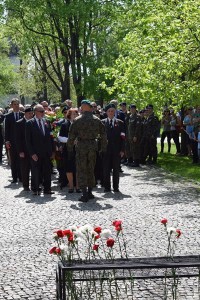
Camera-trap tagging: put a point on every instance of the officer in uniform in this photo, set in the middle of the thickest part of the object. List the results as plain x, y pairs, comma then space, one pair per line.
150, 133
135, 135
84, 130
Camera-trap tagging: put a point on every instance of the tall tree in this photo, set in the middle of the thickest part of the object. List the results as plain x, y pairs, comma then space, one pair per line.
66, 38
8, 75
159, 59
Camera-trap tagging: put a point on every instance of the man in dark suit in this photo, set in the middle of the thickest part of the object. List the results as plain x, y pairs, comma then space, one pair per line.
40, 148
115, 130
10, 138
1, 134
25, 164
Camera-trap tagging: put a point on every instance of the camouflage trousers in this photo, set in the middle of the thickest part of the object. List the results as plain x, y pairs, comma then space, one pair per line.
85, 164
135, 150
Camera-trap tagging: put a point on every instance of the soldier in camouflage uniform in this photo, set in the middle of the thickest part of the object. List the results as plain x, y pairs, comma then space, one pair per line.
149, 139
135, 135
84, 130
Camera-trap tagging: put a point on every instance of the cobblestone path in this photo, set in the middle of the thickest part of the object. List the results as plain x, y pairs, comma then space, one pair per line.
27, 222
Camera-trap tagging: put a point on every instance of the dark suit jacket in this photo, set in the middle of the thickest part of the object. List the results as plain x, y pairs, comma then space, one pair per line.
36, 141
115, 136
20, 136
64, 130
10, 124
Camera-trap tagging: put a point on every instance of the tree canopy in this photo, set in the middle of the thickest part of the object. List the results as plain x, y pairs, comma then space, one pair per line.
159, 60
138, 51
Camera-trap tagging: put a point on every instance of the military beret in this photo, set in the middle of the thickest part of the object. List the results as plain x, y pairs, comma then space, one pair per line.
110, 105
132, 106
149, 106
28, 109
64, 109
123, 103
85, 101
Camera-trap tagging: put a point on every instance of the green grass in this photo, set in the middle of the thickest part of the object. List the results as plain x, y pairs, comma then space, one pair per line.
180, 165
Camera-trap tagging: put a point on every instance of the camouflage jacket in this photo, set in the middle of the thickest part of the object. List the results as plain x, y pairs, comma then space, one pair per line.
85, 130
151, 126
135, 126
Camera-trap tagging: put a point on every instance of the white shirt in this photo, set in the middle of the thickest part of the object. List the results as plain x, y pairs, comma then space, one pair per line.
42, 123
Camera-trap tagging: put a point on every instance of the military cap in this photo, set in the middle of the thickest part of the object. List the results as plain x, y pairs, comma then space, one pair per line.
64, 109
28, 109
85, 101
149, 106
132, 106
123, 103
110, 105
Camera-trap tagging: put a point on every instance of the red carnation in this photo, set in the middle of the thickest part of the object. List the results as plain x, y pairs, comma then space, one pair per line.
178, 232
98, 229
58, 251
110, 242
118, 228
52, 250
117, 223
71, 238
59, 233
67, 232
95, 247
164, 221
97, 237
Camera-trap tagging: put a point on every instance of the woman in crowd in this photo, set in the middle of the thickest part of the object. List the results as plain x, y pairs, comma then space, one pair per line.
68, 158
165, 122
175, 123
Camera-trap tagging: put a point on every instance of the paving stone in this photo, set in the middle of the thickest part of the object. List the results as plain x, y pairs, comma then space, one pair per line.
147, 195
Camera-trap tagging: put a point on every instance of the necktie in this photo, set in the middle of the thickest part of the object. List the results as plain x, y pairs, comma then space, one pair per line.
16, 117
111, 124
40, 126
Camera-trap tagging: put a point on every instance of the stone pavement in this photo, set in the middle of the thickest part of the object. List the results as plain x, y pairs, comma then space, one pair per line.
27, 222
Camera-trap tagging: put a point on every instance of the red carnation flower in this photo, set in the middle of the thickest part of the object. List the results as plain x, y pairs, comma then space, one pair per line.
58, 251
164, 221
67, 232
117, 223
118, 228
98, 229
52, 250
95, 247
97, 237
110, 242
178, 233
71, 238
59, 233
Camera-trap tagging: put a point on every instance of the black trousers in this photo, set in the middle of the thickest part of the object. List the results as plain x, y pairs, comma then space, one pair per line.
175, 137
15, 165
41, 173
111, 162
163, 136
25, 166
1, 147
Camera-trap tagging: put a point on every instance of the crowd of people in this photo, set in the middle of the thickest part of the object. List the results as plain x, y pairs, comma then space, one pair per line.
88, 142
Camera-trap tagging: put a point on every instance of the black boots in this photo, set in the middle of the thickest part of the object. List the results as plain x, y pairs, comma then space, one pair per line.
84, 197
90, 195
87, 195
